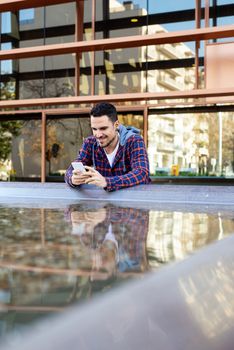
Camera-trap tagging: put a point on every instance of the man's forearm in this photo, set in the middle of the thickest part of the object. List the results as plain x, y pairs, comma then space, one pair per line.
68, 177
133, 178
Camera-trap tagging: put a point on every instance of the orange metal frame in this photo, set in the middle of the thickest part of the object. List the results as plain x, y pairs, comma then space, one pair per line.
119, 43
92, 46
137, 96
15, 5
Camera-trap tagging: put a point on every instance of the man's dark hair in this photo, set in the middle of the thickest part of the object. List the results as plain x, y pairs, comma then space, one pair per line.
104, 108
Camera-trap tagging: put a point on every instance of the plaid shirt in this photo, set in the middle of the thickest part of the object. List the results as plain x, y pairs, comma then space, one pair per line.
130, 166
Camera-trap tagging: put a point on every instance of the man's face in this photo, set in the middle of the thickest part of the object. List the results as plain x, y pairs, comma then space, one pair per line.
104, 130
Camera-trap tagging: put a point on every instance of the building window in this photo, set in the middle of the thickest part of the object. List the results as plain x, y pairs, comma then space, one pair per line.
26, 16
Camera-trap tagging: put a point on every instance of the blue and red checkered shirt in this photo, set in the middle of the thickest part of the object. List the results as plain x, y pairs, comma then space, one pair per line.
130, 166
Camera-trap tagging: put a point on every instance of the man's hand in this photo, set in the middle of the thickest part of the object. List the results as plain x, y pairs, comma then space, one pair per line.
79, 178
94, 177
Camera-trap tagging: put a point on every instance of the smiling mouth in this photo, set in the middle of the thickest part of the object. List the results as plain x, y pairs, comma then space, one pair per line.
102, 139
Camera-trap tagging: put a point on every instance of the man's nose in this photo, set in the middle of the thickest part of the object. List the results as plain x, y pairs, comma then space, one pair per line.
98, 134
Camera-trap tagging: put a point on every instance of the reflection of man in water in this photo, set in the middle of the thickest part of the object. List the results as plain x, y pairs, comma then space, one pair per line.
113, 238
100, 245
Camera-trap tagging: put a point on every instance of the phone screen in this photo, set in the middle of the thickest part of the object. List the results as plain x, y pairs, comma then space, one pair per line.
78, 166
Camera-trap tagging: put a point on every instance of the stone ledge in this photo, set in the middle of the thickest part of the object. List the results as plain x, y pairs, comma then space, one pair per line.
142, 195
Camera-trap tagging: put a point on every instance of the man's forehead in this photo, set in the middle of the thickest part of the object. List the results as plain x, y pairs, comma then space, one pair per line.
100, 121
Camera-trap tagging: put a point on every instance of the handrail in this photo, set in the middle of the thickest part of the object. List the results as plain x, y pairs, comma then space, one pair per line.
138, 96
15, 5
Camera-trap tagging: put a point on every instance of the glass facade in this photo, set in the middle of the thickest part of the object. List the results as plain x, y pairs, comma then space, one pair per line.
64, 139
198, 142
26, 151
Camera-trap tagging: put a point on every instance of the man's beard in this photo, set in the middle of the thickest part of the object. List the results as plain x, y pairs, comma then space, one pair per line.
109, 143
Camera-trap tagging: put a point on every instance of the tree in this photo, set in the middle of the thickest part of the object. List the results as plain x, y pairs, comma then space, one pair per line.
8, 129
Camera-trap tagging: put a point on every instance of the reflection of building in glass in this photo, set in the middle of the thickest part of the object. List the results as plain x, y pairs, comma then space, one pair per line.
52, 258
67, 134
174, 235
177, 133
168, 142
169, 136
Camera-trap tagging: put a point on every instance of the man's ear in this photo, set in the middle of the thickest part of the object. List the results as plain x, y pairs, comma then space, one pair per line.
116, 124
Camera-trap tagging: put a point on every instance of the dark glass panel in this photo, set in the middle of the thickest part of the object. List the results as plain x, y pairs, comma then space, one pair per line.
136, 17
30, 89
5, 22
8, 89
130, 119
31, 19
88, 15
6, 66
64, 139
9, 26
85, 74
58, 87
26, 151
196, 144
119, 71
60, 15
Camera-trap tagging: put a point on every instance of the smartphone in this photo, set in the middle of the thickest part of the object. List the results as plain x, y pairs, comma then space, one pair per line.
78, 166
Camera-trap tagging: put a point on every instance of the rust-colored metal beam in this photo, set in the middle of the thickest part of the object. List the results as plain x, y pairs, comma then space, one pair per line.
207, 25
93, 52
58, 111
138, 96
197, 44
117, 43
43, 147
207, 13
145, 124
15, 5
78, 38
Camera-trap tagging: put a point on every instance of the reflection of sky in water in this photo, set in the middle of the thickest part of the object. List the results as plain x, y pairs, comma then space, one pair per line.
52, 258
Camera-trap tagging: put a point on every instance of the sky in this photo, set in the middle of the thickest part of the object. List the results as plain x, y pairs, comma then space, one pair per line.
156, 6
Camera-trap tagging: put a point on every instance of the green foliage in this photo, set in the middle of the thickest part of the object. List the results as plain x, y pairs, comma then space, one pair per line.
162, 172
187, 173
7, 90
8, 129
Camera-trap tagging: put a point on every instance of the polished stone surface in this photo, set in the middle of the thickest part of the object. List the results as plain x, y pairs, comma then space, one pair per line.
142, 195
60, 247
185, 306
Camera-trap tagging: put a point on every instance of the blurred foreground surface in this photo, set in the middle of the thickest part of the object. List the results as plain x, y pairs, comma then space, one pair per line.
55, 256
